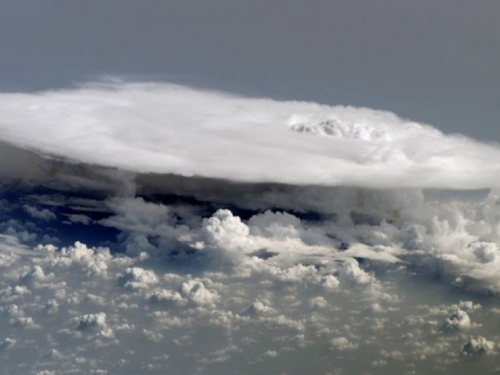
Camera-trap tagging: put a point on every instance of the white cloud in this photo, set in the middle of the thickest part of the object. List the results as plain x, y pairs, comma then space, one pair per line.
278, 309
259, 308
91, 321
137, 278
271, 353
478, 346
36, 213
342, 343
196, 292
351, 272
164, 296
33, 276
330, 282
459, 319
23, 322
153, 336
163, 128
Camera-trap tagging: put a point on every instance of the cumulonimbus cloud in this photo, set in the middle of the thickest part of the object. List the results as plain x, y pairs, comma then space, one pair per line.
170, 129
278, 269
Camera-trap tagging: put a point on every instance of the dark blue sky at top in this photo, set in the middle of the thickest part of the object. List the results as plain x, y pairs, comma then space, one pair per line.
431, 61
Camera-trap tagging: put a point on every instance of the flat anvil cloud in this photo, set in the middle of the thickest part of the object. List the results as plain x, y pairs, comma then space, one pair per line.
163, 128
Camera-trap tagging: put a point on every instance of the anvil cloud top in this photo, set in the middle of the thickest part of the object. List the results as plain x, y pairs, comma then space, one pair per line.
170, 129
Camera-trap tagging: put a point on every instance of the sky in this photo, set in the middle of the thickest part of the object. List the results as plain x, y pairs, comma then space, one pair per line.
429, 61
249, 187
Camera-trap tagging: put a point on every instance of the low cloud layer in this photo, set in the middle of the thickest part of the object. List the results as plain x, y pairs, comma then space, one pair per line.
188, 288
167, 129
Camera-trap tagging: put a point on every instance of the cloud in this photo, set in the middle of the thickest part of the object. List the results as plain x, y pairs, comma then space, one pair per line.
137, 278
478, 346
7, 343
80, 219
342, 343
196, 291
103, 310
169, 129
258, 308
459, 319
44, 214
211, 262
91, 321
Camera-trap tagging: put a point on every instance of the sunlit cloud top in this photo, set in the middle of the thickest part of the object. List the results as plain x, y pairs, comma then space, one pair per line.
170, 129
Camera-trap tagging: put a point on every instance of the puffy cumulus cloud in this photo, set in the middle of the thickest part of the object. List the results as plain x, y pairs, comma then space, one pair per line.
258, 308
91, 321
195, 291
164, 296
330, 282
137, 278
469, 306
271, 353
33, 276
342, 343
92, 261
225, 231
164, 128
277, 224
459, 319
352, 273
478, 346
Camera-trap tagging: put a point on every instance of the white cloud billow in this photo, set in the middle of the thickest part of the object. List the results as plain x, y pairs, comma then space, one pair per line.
163, 128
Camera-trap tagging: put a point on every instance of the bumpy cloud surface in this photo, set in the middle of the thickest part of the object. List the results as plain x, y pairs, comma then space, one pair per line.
182, 290
162, 128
